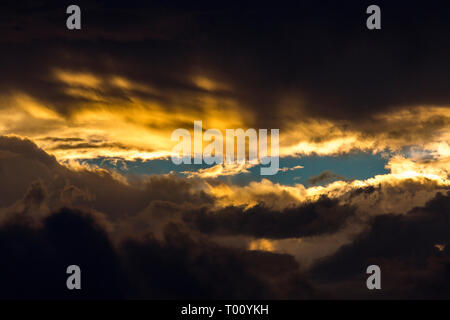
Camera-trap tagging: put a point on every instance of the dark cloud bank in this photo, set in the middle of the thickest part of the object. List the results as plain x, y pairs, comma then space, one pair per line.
284, 62
405, 248
155, 240
34, 263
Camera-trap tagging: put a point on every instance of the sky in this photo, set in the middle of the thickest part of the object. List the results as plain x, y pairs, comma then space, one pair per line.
86, 170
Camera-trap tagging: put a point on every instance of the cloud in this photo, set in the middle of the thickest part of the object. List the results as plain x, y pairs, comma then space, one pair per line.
325, 177
185, 267
222, 169
404, 246
38, 258
184, 68
119, 88
117, 242
178, 267
322, 216
194, 226
291, 169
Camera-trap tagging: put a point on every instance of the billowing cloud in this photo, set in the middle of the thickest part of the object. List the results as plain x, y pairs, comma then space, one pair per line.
179, 221
406, 247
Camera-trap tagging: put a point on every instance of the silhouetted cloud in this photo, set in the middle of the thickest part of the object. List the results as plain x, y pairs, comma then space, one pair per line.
310, 219
178, 267
325, 177
406, 247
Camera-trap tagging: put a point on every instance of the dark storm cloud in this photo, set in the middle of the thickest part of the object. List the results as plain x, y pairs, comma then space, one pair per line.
183, 266
411, 250
119, 259
116, 248
154, 238
319, 217
35, 262
318, 53
283, 63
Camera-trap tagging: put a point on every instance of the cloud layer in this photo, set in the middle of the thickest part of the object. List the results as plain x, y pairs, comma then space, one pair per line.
169, 237
313, 71
118, 88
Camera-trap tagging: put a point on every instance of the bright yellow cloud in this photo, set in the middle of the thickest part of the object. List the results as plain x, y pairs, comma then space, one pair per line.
130, 126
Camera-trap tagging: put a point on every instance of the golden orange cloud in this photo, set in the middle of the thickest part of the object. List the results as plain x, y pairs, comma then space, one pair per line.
131, 126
